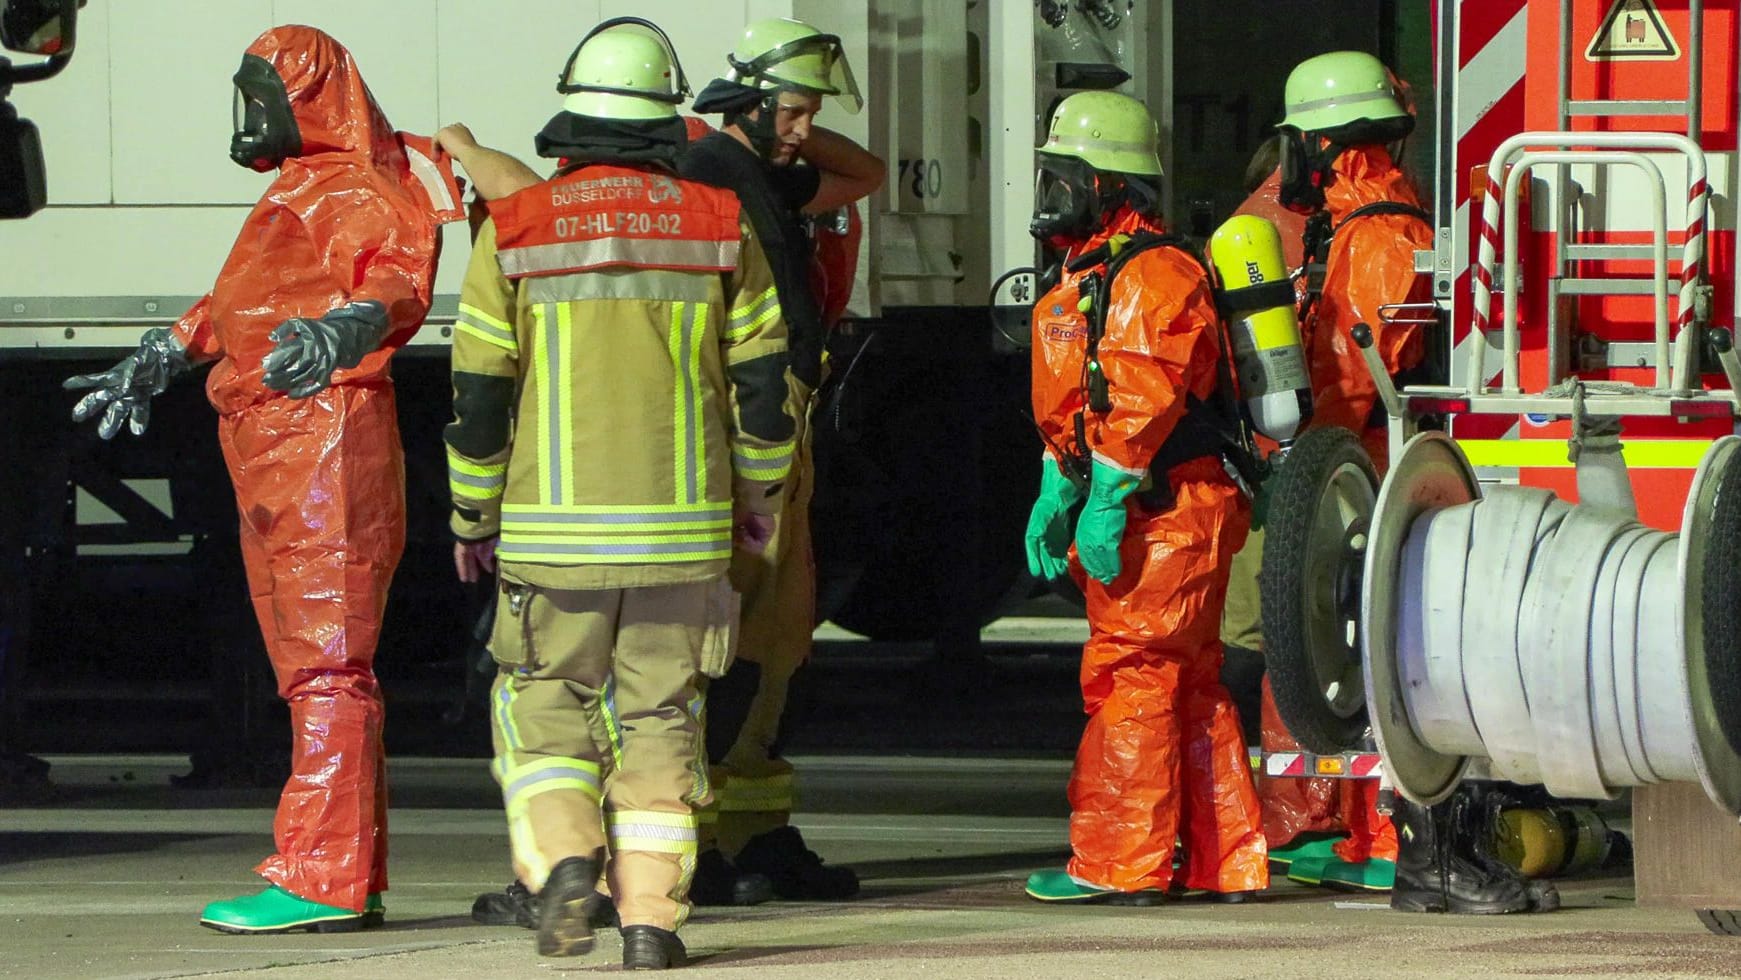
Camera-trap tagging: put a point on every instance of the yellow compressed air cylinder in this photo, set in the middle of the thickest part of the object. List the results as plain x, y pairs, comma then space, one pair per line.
1267, 354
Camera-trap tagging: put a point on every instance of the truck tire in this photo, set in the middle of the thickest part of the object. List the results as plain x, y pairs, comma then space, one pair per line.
1722, 615
1723, 922
1321, 500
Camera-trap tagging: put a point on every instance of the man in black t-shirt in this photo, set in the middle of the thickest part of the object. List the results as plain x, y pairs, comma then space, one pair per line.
783, 169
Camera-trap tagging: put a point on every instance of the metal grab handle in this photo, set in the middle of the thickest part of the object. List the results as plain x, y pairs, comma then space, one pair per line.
1723, 342
1391, 314
1375, 365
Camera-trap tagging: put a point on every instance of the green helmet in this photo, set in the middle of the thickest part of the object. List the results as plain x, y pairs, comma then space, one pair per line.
625, 68
1107, 131
1339, 88
781, 53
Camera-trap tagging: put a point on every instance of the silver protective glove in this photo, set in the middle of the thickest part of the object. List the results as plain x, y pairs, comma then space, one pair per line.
307, 351
124, 392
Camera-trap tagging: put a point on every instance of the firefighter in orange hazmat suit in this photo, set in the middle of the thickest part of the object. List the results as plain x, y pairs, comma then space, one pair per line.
1363, 223
1121, 387
331, 274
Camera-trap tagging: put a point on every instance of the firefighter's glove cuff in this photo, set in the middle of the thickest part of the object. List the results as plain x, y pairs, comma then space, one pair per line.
124, 392
1101, 526
1049, 526
307, 351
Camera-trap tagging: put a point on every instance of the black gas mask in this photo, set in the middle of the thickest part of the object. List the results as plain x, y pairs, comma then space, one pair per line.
1305, 165
1071, 199
266, 133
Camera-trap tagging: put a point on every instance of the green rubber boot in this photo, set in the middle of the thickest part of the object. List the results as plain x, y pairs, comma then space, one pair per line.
1057, 885
276, 910
1310, 870
1376, 875
1307, 845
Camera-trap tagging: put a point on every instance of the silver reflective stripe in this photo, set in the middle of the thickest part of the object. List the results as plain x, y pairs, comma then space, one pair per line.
429, 175
751, 467
652, 831
657, 252
518, 786
479, 482
1352, 98
703, 515
478, 322
656, 285
745, 319
554, 356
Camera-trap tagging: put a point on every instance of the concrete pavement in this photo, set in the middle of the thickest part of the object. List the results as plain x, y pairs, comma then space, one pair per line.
106, 878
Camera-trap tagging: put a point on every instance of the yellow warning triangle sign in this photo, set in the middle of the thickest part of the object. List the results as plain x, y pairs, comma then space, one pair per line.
1633, 31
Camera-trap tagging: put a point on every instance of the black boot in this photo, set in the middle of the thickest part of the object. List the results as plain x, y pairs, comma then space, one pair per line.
652, 948
567, 906
718, 882
1480, 825
796, 871
514, 905
1436, 871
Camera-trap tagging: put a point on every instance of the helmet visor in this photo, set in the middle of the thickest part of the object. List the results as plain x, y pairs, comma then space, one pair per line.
816, 63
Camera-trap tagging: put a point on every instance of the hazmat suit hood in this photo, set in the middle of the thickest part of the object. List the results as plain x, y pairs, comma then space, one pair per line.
332, 112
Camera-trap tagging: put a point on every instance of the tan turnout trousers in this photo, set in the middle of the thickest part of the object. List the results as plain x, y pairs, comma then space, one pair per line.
595, 683
754, 789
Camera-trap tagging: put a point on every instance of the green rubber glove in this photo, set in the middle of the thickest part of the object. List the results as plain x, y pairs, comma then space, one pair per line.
1048, 536
1101, 525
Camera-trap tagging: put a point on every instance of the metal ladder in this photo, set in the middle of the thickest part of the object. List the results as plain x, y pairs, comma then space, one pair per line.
1566, 251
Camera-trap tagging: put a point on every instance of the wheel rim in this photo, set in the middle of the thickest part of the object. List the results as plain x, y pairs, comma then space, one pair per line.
1336, 550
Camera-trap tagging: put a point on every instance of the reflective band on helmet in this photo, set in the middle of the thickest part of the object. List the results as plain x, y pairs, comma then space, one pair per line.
1336, 100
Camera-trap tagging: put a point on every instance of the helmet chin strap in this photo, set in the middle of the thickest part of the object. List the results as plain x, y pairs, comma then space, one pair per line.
763, 137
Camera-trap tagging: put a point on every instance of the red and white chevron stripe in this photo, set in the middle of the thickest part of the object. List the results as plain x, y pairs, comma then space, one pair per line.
1487, 107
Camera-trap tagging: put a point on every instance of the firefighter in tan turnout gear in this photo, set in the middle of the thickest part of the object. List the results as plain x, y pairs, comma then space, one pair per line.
619, 374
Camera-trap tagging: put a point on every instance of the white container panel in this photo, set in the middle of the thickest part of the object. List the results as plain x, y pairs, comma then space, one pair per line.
171, 64
394, 47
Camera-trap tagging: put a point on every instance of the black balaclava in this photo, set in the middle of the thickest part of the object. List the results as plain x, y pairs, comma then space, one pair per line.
590, 139
736, 101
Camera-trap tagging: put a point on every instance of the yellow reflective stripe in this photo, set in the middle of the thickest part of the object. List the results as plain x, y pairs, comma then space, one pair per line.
469, 468
1670, 454
674, 342
762, 469
618, 554
677, 508
607, 706
739, 332
484, 319
565, 392
742, 794
698, 450
503, 713
513, 533
475, 481
486, 328
782, 451
541, 378
749, 309
486, 336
